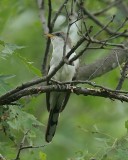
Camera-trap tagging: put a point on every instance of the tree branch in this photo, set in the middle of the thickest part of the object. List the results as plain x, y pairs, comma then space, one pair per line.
123, 75
106, 93
103, 65
22, 147
96, 21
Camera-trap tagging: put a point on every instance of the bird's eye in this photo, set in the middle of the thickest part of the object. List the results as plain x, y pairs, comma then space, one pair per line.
58, 34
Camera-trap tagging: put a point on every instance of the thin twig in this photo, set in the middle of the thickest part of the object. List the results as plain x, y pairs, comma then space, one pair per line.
123, 76
107, 8
105, 43
92, 17
21, 145
79, 54
42, 15
97, 69
112, 19
67, 34
49, 15
58, 12
50, 27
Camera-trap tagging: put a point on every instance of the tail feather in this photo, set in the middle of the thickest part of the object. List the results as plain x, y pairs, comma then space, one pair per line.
52, 123
58, 103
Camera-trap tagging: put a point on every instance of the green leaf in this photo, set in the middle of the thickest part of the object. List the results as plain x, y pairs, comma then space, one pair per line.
5, 77
2, 42
126, 124
30, 66
9, 48
4, 86
20, 120
42, 156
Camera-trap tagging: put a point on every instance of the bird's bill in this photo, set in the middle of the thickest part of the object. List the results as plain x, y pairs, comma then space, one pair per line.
49, 35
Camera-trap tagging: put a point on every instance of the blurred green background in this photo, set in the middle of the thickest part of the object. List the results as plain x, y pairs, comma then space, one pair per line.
89, 126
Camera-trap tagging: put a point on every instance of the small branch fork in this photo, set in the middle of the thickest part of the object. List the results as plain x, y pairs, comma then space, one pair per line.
97, 22
22, 147
123, 75
48, 26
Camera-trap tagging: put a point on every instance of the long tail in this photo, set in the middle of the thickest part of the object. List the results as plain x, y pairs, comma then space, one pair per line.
52, 123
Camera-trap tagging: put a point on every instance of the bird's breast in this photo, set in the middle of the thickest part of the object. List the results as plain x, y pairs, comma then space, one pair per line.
66, 73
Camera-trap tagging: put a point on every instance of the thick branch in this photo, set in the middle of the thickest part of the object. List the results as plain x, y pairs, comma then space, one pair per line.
65, 88
103, 65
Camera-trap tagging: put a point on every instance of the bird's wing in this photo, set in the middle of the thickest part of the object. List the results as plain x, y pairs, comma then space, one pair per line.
48, 101
65, 100
48, 94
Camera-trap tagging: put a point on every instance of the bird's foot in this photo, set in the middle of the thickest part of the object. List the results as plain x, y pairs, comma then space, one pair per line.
70, 87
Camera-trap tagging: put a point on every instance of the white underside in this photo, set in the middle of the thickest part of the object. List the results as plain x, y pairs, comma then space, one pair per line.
67, 72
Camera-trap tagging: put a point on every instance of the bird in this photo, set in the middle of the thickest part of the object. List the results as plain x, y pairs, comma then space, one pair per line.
56, 101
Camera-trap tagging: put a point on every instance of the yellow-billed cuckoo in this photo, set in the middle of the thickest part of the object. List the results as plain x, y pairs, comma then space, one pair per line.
57, 101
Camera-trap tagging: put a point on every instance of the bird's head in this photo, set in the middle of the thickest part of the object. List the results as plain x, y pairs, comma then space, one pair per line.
58, 38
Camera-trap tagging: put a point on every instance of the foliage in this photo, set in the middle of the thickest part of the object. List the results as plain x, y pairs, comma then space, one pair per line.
90, 128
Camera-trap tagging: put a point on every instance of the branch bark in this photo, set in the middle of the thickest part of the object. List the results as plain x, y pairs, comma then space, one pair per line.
103, 65
106, 93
